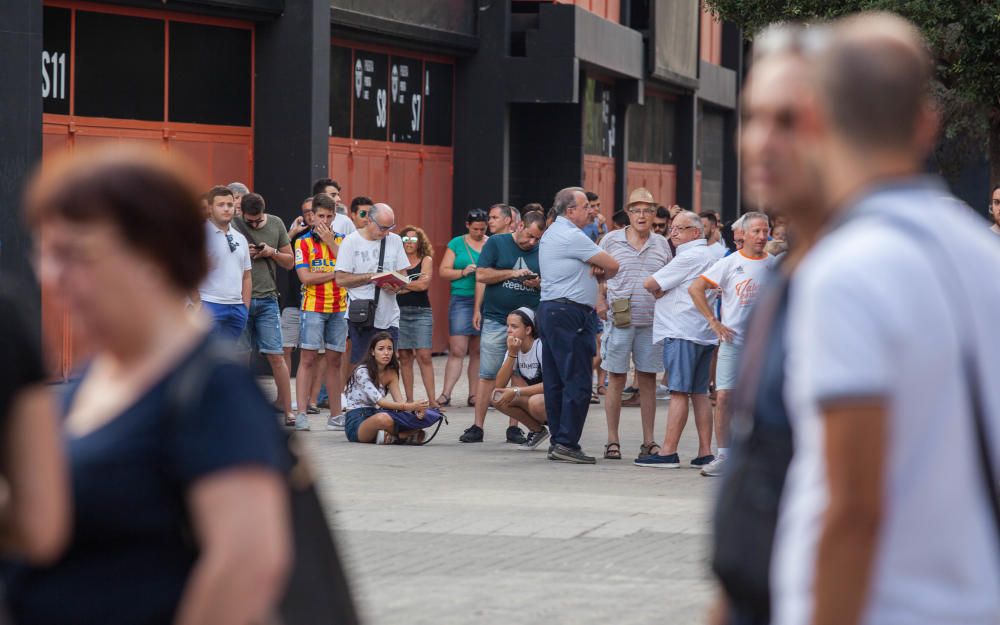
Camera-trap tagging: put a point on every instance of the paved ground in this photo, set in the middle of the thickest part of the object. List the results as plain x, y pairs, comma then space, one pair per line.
456, 533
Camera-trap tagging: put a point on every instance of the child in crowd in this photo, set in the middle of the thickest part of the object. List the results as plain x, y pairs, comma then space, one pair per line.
522, 368
374, 388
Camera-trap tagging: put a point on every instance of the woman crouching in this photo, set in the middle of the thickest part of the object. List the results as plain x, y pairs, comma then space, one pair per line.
374, 388
522, 369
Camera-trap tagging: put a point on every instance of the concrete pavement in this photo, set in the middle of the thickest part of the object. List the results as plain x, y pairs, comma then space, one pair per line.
456, 533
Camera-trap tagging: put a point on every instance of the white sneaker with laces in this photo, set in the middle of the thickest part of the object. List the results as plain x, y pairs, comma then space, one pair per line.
335, 423
662, 392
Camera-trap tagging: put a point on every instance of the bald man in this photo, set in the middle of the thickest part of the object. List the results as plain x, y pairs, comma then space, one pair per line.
887, 515
358, 262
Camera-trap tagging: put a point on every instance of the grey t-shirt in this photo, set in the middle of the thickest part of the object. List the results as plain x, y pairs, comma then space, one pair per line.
273, 234
562, 258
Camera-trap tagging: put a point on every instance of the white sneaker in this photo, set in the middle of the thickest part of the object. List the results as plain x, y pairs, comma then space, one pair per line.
335, 423
715, 468
662, 392
302, 422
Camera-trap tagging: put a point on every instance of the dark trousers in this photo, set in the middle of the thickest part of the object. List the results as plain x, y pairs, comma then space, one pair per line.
569, 343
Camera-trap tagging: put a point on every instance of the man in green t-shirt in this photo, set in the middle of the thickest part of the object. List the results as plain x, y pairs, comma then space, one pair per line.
508, 266
269, 250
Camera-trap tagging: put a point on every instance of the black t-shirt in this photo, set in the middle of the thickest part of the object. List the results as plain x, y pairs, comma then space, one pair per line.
419, 299
22, 365
130, 557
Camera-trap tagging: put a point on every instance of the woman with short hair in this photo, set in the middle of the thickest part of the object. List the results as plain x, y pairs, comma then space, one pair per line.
180, 506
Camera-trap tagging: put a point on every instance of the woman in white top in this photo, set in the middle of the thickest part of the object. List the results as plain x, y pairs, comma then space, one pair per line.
522, 369
374, 388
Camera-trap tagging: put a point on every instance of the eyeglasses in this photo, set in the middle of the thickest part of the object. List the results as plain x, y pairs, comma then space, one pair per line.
411, 240
233, 244
642, 211
383, 228
679, 228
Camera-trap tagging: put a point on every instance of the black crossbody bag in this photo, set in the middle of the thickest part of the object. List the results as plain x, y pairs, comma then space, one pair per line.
361, 312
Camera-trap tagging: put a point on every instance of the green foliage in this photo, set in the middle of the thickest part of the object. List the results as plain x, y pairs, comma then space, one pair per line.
964, 36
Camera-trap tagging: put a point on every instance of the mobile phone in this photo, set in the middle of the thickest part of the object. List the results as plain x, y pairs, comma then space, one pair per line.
530, 276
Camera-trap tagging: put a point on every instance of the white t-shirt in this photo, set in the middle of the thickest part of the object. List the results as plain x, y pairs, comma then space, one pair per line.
342, 224
359, 255
718, 248
740, 278
870, 316
224, 282
528, 364
674, 315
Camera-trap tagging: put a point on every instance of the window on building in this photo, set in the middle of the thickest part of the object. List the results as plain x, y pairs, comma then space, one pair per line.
371, 95
438, 93
598, 118
405, 99
210, 74
711, 143
341, 76
119, 66
651, 131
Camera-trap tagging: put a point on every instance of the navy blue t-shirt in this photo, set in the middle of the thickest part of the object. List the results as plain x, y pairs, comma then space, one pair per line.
501, 252
131, 552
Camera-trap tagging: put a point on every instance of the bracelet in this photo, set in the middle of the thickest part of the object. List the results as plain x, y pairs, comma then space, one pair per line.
517, 391
511, 356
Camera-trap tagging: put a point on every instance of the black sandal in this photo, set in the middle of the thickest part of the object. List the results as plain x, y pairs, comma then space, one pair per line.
613, 454
646, 449
443, 400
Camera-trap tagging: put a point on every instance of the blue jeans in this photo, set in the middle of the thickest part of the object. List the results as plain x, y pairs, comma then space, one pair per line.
569, 343
229, 319
492, 348
263, 329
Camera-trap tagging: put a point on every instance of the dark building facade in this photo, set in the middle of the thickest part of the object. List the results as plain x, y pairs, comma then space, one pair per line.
435, 107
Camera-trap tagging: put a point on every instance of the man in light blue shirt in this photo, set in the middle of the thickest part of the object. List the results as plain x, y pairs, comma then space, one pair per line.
571, 264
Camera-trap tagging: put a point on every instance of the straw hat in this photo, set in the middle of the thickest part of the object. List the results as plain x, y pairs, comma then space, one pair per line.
641, 195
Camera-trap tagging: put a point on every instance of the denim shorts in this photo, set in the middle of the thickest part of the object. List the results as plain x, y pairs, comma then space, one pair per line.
618, 344
291, 324
361, 341
321, 330
492, 349
688, 366
353, 420
416, 327
263, 330
460, 310
727, 366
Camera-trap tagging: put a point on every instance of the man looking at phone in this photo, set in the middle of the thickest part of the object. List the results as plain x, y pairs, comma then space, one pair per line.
508, 270
269, 250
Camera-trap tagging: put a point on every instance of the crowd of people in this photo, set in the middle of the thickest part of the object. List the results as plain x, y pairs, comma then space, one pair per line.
835, 367
651, 308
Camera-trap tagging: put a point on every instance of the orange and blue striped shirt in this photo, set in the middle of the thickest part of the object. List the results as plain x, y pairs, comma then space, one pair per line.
313, 254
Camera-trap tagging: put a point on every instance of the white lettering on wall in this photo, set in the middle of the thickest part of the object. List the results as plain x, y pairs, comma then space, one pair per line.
54, 75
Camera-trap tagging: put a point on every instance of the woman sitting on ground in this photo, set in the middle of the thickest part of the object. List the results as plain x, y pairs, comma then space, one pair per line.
374, 388
522, 369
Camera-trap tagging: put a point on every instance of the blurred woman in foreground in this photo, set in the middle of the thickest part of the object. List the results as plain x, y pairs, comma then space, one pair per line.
181, 512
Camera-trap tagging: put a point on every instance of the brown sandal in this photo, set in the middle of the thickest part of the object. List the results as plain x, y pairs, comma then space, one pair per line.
646, 449
471, 401
613, 454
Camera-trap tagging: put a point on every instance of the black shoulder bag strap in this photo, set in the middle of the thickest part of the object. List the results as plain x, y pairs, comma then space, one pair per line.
381, 260
318, 590
970, 368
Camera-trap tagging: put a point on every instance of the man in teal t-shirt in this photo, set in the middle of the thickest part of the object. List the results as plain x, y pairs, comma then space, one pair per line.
504, 266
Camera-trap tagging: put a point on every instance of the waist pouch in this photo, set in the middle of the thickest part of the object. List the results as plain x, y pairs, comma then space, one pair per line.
621, 313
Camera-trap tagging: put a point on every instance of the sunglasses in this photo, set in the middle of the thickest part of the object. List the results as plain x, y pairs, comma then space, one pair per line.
362, 214
233, 244
411, 240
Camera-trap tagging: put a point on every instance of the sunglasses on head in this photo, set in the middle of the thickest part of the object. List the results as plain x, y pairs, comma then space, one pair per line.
477, 214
